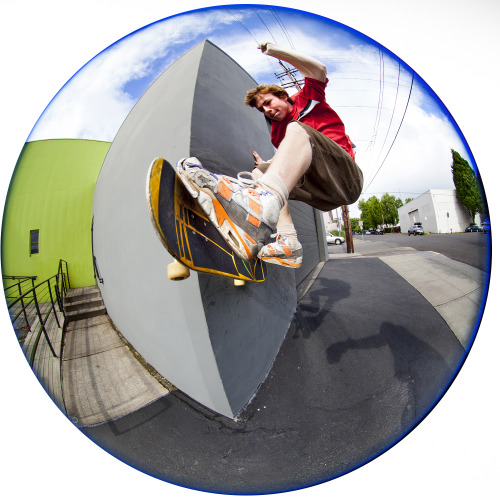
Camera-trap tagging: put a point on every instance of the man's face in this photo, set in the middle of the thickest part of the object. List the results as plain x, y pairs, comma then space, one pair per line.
272, 106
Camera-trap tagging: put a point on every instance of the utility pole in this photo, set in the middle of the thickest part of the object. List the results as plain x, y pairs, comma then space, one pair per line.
348, 231
290, 74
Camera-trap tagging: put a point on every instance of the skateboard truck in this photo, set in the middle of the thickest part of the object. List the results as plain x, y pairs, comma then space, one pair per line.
177, 271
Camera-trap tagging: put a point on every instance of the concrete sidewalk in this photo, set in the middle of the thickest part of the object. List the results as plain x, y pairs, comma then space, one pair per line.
103, 377
456, 290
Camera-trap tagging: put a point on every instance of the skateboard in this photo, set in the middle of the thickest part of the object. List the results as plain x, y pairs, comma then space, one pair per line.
187, 233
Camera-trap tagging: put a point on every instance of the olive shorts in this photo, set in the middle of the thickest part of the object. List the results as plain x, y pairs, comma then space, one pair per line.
332, 180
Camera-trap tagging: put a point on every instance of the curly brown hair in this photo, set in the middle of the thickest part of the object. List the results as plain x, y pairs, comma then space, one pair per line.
264, 88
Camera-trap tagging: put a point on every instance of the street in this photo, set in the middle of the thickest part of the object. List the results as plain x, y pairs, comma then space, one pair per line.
473, 249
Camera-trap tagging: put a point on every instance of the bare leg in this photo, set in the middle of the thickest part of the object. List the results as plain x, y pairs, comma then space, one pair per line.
293, 157
285, 219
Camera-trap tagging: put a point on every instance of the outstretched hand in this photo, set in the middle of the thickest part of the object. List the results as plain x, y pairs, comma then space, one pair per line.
262, 47
257, 159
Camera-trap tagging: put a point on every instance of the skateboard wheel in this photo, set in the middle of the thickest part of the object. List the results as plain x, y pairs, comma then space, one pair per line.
177, 271
238, 282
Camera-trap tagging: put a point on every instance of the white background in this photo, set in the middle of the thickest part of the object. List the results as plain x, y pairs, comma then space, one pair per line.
453, 45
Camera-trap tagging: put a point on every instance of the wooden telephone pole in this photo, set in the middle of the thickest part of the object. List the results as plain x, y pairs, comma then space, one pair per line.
348, 230
290, 74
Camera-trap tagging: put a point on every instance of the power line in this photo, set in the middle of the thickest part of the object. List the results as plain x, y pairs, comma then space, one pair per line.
392, 116
281, 24
395, 137
250, 33
262, 20
378, 115
380, 96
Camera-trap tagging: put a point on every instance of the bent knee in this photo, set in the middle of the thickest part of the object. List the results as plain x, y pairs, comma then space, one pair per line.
295, 128
297, 133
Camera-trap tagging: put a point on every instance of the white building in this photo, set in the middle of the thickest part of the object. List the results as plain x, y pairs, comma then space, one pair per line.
438, 210
333, 220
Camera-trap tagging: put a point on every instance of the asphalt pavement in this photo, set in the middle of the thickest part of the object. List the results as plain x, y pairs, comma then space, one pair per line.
370, 351
473, 249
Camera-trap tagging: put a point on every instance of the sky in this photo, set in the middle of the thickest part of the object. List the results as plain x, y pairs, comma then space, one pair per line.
402, 132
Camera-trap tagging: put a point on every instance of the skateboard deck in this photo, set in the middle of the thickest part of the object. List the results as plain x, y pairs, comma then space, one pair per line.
187, 233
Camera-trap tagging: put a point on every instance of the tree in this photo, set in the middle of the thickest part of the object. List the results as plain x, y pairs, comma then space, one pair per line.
390, 207
408, 200
466, 185
371, 212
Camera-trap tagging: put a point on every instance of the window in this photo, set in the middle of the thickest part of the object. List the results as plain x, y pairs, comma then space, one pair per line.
33, 241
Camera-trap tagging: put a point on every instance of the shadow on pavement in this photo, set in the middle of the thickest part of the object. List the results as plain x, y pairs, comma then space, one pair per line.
364, 360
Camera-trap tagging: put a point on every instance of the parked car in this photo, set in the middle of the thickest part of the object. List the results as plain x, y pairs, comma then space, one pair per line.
473, 228
377, 231
334, 240
416, 229
486, 226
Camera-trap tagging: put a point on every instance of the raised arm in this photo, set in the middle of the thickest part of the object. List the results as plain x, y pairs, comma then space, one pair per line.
307, 65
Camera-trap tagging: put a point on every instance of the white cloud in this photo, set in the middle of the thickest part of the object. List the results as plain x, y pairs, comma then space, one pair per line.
93, 104
420, 158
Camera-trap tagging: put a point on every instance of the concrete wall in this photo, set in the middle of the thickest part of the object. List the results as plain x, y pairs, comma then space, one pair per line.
51, 191
450, 215
213, 341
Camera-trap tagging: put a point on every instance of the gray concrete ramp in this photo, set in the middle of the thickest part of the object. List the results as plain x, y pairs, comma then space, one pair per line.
214, 342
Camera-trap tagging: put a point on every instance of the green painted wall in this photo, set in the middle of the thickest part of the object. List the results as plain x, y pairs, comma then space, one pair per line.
52, 190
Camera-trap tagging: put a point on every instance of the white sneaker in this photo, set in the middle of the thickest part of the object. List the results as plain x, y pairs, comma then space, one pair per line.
244, 212
285, 251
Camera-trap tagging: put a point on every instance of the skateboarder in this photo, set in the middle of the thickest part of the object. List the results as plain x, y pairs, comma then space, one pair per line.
314, 163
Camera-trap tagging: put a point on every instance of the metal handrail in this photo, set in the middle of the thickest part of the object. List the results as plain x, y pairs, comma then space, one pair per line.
97, 275
20, 280
60, 272
31, 299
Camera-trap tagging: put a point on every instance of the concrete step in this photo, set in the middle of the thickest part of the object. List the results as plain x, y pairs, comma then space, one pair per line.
85, 313
83, 293
83, 303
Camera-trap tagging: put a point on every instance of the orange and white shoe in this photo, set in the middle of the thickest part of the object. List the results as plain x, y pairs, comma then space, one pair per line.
285, 251
244, 212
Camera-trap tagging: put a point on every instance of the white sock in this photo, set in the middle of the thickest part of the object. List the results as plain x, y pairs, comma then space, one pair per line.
287, 230
277, 186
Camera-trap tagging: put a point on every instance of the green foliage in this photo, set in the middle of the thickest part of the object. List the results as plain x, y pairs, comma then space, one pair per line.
408, 200
390, 208
375, 212
466, 185
337, 233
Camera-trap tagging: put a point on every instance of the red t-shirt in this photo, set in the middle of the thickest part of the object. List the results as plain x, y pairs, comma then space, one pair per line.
311, 108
